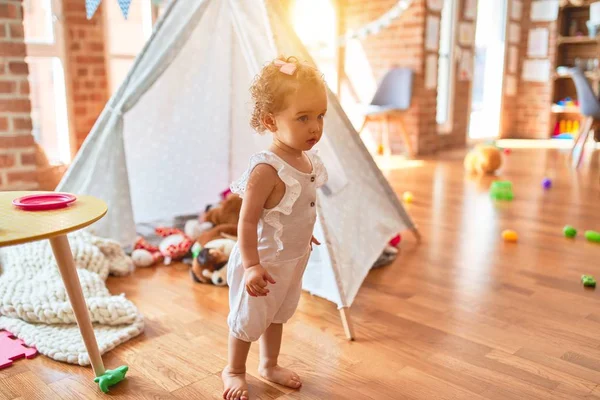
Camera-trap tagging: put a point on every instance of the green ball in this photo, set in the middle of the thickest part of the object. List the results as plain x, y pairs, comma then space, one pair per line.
588, 281
569, 231
592, 236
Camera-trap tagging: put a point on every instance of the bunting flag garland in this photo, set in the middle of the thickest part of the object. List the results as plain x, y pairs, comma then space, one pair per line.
124, 5
374, 27
92, 5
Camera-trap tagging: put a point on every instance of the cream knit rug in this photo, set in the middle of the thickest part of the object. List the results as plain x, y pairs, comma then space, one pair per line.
34, 305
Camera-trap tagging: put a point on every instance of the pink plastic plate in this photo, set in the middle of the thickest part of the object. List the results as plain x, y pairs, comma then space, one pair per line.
44, 201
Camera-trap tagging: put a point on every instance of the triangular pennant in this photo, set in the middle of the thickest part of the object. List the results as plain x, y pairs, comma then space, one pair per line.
124, 5
90, 7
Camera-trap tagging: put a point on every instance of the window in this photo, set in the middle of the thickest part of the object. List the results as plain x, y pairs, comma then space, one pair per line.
125, 38
446, 66
45, 49
315, 24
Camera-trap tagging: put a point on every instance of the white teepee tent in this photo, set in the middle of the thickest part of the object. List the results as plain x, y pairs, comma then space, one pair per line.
177, 132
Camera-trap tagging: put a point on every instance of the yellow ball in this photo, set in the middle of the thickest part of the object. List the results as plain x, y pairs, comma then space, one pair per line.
510, 235
408, 197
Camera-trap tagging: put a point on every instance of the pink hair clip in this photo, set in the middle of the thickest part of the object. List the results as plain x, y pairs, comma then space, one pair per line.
286, 68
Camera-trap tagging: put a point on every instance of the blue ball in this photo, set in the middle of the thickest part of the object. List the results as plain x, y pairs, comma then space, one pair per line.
547, 183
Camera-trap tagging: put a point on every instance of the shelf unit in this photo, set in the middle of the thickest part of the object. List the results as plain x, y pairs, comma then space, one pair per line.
573, 46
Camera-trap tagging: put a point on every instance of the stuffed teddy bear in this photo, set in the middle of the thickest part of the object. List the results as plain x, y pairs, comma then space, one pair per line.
483, 159
216, 222
210, 261
173, 247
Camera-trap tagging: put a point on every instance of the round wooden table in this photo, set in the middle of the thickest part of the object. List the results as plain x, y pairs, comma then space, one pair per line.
18, 227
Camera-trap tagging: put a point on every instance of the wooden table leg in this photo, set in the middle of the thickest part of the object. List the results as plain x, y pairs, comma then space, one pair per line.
66, 265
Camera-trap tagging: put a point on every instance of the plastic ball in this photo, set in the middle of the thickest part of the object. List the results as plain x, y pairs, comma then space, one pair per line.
547, 183
395, 241
510, 235
507, 151
408, 197
569, 231
592, 236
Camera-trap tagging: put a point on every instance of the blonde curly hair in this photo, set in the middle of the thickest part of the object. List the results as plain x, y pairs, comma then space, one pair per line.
271, 87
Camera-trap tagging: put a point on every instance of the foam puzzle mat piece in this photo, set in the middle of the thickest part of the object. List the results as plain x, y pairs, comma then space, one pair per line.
12, 349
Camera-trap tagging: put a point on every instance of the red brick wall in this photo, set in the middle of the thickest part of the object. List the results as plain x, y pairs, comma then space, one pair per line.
17, 151
86, 70
399, 45
527, 114
403, 44
534, 99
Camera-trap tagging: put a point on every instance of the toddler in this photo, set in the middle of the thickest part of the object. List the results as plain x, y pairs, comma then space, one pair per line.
276, 221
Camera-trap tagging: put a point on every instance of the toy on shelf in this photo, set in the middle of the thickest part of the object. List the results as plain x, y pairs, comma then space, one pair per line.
566, 129
12, 349
501, 190
567, 102
569, 231
588, 280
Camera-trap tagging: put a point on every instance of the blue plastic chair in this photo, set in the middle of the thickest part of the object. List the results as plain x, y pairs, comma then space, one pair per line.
392, 98
589, 107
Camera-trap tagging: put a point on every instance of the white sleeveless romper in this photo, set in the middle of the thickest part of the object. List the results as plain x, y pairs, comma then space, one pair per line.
284, 234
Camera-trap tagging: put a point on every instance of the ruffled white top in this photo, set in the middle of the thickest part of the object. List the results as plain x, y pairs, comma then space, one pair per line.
284, 231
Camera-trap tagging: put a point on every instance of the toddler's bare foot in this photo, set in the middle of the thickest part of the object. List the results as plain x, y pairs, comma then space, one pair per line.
234, 385
281, 376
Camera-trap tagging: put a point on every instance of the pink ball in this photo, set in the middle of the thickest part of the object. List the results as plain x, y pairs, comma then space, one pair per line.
396, 240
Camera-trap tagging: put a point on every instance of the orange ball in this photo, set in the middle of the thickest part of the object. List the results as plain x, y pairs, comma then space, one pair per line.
510, 235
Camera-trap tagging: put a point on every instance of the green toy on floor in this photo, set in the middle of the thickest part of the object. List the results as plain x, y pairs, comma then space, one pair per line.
111, 377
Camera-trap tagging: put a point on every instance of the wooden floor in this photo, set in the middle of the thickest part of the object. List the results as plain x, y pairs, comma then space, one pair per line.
463, 315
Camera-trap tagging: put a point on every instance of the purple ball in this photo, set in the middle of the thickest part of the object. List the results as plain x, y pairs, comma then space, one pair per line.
547, 183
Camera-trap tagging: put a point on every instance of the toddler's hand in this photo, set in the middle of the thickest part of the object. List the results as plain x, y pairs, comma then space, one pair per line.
256, 278
315, 241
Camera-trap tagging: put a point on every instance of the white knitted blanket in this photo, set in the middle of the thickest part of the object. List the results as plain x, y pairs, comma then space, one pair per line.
34, 305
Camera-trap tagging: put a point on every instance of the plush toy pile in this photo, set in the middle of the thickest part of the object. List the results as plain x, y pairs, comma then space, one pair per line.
215, 234
209, 239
